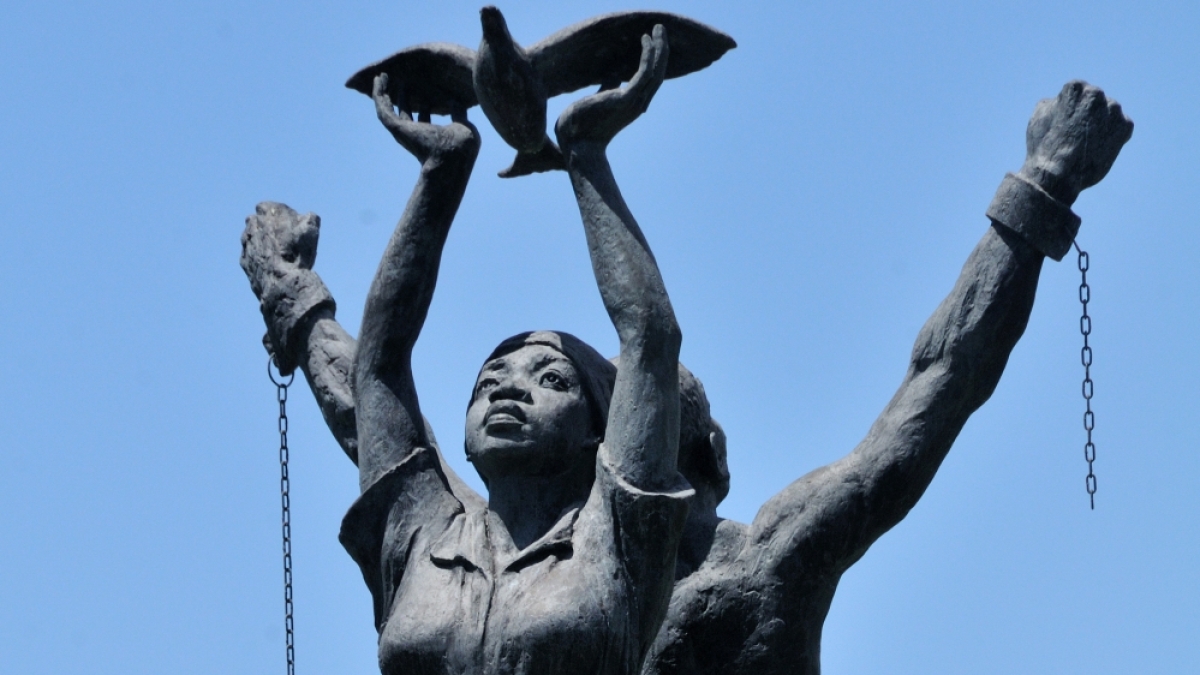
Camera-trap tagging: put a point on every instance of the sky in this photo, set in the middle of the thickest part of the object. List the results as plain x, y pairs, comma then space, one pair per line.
810, 199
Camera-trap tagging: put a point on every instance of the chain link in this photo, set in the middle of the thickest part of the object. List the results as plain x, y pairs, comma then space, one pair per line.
281, 395
1085, 356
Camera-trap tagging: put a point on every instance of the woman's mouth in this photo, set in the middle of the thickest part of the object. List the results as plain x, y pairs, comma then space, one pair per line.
504, 417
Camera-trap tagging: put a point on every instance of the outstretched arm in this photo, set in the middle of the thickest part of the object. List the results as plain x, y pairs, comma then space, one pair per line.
279, 247
642, 436
827, 519
390, 425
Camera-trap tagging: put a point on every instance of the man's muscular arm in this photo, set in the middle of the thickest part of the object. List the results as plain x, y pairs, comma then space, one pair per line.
825, 521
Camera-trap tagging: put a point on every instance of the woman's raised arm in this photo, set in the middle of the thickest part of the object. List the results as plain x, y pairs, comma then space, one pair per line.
642, 436
389, 419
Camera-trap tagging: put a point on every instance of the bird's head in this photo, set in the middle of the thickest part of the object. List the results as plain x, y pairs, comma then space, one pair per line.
495, 28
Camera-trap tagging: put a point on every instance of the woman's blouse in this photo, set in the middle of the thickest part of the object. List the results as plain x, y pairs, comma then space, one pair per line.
450, 597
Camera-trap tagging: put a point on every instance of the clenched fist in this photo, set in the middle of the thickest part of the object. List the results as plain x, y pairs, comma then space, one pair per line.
1073, 140
279, 247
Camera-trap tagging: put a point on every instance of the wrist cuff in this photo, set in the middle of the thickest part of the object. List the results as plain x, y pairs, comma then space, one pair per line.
1046, 223
285, 303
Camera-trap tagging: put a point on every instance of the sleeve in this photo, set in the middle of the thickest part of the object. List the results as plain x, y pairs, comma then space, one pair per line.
380, 531
644, 530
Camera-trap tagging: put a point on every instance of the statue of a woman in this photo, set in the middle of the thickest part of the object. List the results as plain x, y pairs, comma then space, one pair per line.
569, 565
746, 598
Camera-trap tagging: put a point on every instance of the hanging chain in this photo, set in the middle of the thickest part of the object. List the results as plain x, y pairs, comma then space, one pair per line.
1085, 355
281, 392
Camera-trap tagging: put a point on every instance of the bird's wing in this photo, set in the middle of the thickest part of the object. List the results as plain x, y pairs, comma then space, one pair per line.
607, 49
436, 76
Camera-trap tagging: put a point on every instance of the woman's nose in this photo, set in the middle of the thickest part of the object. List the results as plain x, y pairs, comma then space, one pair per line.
510, 391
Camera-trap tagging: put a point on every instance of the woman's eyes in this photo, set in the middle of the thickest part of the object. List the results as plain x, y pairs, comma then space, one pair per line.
554, 380
550, 379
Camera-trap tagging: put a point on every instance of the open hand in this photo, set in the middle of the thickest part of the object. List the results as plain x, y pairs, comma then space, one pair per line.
423, 139
599, 117
276, 241
1073, 140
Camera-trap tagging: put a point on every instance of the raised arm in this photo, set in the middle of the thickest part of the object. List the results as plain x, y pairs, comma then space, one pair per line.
279, 247
390, 425
827, 519
642, 437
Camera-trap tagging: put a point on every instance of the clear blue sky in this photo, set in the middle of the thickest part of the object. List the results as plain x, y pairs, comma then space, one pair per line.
810, 198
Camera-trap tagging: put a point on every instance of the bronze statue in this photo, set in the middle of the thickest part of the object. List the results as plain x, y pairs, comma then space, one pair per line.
590, 554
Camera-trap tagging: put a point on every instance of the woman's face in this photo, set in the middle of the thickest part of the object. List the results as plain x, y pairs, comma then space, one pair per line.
529, 416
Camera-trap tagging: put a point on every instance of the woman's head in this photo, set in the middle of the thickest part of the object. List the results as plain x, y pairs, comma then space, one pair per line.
539, 406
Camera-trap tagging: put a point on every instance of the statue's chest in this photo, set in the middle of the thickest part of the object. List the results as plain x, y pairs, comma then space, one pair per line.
546, 614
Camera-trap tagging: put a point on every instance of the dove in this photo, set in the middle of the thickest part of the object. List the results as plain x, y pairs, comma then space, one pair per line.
512, 84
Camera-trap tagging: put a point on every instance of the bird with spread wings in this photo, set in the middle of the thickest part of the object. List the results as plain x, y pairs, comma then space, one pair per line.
511, 83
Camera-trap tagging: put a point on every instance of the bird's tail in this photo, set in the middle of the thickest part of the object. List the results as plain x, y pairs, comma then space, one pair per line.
549, 158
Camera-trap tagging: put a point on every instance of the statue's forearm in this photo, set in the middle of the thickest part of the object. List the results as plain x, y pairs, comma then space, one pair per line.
956, 364
642, 434
402, 289
627, 274
389, 422
328, 362
967, 341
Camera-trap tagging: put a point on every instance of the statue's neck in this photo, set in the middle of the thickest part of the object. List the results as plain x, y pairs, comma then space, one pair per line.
528, 506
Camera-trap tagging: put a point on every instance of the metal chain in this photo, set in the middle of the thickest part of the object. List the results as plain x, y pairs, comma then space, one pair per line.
281, 392
1085, 356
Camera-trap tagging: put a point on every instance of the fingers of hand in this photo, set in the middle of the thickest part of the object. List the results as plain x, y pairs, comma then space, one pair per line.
385, 107
1104, 119
1071, 94
379, 89
1039, 124
651, 69
254, 237
1123, 124
303, 244
1086, 103
662, 49
643, 64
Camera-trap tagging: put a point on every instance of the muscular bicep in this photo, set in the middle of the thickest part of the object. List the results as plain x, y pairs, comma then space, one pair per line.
831, 516
826, 520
